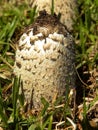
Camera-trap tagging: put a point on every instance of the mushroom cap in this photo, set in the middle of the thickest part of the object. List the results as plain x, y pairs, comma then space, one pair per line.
45, 59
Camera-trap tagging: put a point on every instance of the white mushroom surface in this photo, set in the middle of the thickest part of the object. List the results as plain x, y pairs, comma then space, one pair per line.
45, 60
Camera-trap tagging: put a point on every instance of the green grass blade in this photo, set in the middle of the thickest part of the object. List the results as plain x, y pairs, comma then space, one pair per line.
46, 105
15, 96
52, 7
50, 123
12, 28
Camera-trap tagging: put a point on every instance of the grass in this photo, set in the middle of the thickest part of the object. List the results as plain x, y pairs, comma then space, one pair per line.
87, 31
12, 19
